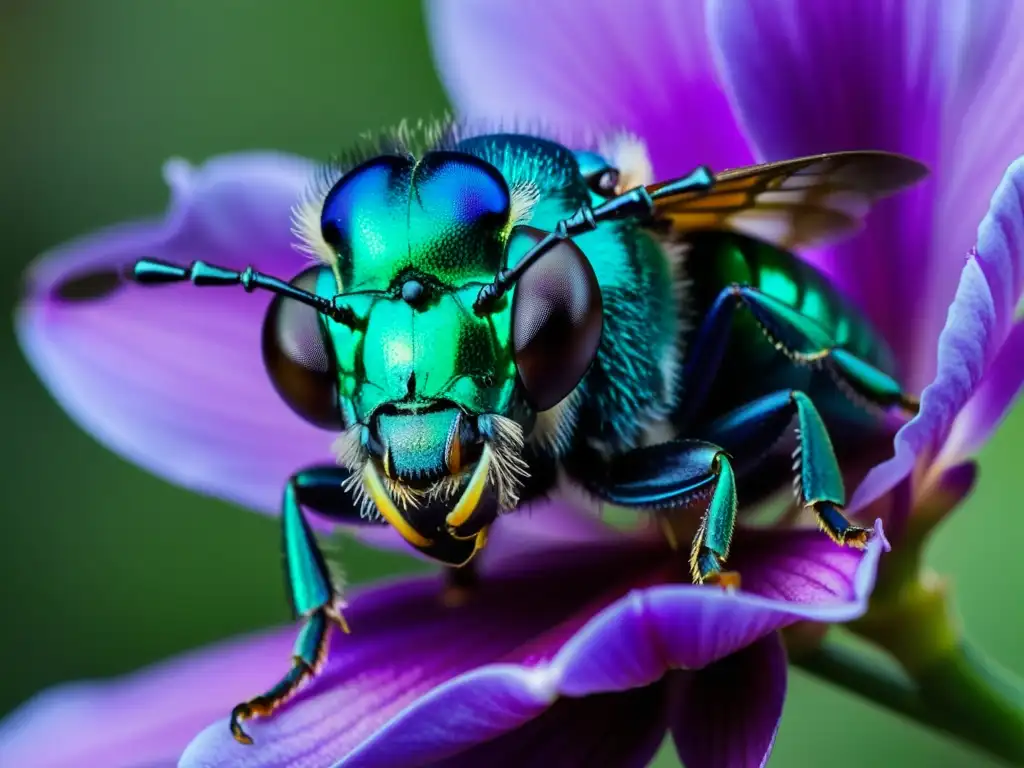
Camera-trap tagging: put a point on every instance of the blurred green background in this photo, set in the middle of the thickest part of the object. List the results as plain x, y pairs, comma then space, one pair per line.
103, 568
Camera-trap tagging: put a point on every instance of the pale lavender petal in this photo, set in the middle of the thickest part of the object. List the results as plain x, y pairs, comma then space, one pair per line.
991, 401
144, 719
726, 715
607, 66
809, 77
172, 378
610, 730
961, 361
987, 141
974, 333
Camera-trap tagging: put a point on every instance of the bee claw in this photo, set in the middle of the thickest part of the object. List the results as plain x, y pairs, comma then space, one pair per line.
857, 538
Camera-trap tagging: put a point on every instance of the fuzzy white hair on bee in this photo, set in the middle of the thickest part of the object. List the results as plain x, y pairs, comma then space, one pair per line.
628, 154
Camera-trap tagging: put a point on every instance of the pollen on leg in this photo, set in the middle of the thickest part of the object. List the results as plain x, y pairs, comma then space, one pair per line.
857, 538
707, 569
728, 580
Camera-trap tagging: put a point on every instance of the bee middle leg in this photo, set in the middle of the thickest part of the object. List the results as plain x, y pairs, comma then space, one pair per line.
672, 474
753, 429
312, 596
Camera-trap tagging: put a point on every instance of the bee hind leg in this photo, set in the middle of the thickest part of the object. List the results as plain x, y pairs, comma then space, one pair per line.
754, 428
672, 474
803, 340
309, 585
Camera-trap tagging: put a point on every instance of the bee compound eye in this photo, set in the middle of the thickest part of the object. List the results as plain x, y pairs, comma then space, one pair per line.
298, 358
556, 321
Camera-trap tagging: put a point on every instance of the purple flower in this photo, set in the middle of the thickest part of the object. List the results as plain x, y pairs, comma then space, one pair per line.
731, 82
564, 658
583, 644
570, 611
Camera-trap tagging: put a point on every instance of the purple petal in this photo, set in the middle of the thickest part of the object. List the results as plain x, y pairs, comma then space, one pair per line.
416, 679
944, 490
404, 644
144, 719
172, 378
906, 77
973, 334
991, 400
726, 715
610, 67
418, 682
631, 643
610, 730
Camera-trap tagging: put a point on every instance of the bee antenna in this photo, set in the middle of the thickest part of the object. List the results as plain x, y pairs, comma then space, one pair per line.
199, 273
638, 203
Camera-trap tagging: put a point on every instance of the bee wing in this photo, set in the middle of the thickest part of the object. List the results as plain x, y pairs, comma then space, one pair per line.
792, 202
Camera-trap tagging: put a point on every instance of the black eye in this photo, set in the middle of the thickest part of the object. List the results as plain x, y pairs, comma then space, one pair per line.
298, 358
604, 182
556, 320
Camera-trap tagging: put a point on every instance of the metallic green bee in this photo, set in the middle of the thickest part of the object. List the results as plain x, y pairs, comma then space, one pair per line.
491, 312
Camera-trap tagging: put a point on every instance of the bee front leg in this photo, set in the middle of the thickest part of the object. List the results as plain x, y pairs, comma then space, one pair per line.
309, 587
672, 474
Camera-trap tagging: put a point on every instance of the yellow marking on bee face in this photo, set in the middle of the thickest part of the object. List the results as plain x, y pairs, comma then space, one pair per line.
470, 498
481, 540
386, 506
453, 451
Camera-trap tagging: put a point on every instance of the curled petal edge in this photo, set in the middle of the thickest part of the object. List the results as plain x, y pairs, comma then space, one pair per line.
513, 694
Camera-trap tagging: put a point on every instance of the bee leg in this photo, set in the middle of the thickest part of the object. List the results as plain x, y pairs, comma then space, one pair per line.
869, 382
672, 474
309, 587
310, 651
799, 337
753, 429
459, 585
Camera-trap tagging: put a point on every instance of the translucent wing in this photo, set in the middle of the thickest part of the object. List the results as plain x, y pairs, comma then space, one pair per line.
792, 202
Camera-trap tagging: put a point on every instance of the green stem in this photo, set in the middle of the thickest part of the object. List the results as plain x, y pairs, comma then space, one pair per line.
953, 695
964, 687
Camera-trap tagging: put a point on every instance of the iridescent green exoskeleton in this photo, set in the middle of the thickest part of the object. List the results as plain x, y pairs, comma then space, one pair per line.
489, 312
